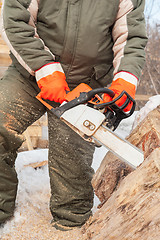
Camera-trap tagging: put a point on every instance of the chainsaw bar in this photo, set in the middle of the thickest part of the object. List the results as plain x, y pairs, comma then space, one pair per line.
88, 123
119, 146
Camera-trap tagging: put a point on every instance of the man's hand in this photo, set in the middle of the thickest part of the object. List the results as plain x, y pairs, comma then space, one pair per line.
52, 82
117, 86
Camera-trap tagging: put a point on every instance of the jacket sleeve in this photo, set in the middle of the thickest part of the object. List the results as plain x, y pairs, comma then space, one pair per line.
129, 36
19, 32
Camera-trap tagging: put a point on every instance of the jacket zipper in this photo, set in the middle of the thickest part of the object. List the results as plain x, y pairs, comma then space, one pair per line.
75, 37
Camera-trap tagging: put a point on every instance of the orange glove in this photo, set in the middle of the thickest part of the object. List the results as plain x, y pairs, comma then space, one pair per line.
118, 85
52, 82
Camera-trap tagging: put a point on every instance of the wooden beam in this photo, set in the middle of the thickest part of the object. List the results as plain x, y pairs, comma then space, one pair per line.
28, 140
37, 164
141, 97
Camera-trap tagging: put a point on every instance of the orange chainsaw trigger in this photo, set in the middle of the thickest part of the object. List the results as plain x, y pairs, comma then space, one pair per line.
75, 93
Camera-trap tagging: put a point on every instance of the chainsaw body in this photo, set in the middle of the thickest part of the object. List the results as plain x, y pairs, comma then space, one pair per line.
87, 114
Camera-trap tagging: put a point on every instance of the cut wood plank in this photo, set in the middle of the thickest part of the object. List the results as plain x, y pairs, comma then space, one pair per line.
28, 140
37, 164
140, 97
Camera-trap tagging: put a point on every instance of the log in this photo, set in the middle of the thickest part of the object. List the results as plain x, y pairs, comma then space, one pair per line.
108, 176
130, 204
112, 170
132, 211
146, 135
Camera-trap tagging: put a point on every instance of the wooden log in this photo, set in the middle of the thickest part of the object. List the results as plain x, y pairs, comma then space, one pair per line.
146, 135
132, 211
112, 170
130, 205
108, 176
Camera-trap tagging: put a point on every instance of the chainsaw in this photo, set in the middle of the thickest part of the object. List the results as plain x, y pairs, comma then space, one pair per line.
95, 121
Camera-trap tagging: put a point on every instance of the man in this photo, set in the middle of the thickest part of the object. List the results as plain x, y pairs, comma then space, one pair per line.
55, 45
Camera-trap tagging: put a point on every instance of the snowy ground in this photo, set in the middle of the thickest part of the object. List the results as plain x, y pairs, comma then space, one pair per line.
32, 217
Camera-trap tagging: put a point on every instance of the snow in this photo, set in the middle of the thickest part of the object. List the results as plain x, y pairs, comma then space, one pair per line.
34, 185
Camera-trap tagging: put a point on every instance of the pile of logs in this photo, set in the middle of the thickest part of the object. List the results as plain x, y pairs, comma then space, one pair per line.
130, 199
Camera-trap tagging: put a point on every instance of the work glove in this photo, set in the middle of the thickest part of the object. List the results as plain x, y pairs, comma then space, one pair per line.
52, 82
120, 84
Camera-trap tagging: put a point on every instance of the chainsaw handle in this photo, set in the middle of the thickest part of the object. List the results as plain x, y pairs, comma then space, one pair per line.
93, 92
115, 114
83, 94
112, 104
83, 98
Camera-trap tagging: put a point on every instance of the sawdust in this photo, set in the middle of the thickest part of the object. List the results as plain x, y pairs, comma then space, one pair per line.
34, 223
